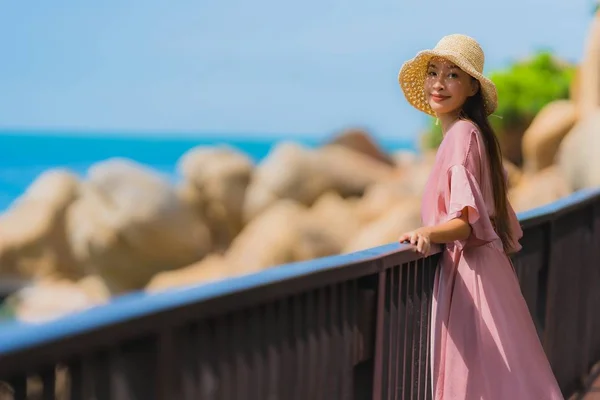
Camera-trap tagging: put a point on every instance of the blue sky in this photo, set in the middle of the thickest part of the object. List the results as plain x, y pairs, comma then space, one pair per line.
248, 66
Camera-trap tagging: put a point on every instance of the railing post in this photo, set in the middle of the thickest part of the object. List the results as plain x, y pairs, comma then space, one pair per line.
378, 356
542, 292
164, 366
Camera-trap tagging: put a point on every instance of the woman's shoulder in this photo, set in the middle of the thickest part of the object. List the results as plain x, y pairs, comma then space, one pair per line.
461, 139
463, 129
461, 134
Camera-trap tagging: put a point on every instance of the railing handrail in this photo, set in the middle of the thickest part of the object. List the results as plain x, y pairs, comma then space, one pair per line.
559, 207
18, 336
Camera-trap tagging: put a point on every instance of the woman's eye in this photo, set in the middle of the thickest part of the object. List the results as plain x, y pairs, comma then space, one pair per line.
453, 75
431, 73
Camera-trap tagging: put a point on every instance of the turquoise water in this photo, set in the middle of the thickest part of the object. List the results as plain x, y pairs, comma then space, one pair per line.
23, 156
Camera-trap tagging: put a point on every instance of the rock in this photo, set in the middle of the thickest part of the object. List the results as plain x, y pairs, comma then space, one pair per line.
294, 172
33, 241
409, 182
297, 173
216, 179
589, 72
211, 268
337, 218
269, 239
405, 158
538, 189
543, 137
312, 241
258, 199
288, 232
128, 224
387, 228
511, 139
513, 173
95, 288
378, 199
349, 172
48, 300
578, 153
290, 171
362, 142
574, 89
412, 179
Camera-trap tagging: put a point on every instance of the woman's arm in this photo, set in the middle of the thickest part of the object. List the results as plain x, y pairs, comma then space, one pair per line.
450, 231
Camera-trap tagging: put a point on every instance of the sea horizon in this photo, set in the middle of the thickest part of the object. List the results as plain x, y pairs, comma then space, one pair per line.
27, 153
200, 133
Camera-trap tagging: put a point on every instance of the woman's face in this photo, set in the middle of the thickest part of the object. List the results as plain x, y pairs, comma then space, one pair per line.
447, 87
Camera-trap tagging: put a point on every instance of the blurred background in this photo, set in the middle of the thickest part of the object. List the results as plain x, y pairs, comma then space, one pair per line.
147, 145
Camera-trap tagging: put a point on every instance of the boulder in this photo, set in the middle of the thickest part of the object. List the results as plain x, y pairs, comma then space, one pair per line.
33, 241
286, 232
336, 219
313, 241
52, 299
388, 226
128, 224
268, 239
588, 93
407, 183
543, 137
405, 158
574, 89
362, 142
215, 182
350, 173
538, 189
297, 173
513, 173
289, 171
380, 198
211, 268
578, 153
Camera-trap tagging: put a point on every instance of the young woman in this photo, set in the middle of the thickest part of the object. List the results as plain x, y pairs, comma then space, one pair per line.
484, 343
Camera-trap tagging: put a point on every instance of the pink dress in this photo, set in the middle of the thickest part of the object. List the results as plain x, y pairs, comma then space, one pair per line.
483, 340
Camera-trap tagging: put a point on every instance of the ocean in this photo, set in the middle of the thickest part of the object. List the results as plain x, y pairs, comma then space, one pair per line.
23, 156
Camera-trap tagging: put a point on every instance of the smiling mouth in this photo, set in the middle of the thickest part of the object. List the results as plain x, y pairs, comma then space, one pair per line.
439, 98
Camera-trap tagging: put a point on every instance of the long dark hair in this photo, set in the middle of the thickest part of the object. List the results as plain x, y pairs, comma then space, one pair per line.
475, 111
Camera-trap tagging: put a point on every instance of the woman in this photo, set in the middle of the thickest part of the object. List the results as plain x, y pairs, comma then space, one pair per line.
484, 343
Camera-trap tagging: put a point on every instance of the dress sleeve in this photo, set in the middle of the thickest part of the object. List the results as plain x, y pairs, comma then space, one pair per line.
463, 191
466, 174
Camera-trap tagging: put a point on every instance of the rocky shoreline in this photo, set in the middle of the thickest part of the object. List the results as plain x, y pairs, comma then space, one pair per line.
124, 227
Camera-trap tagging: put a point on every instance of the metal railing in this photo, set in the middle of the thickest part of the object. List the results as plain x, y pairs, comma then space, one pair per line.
351, 326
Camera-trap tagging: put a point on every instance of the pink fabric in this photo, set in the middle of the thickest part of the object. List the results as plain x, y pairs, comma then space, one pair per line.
484, 343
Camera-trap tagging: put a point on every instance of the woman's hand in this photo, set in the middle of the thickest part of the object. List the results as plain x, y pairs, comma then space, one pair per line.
420, 237
456, 229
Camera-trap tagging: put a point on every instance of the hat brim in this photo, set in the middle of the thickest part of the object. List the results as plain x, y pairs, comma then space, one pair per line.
413, 73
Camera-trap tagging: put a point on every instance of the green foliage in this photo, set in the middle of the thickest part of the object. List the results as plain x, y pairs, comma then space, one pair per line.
433, 137
523, 90
526, 87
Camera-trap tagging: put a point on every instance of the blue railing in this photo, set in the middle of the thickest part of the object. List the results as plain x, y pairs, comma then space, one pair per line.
351, 326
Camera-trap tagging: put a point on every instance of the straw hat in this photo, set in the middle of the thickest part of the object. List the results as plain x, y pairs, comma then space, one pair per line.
465, 53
